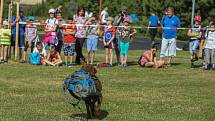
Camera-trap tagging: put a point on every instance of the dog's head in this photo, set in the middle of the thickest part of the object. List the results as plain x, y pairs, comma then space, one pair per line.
88, 68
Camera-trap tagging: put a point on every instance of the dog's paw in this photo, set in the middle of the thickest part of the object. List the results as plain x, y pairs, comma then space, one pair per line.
98, 114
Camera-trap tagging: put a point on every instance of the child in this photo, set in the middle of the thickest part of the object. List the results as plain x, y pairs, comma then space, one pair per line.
69, 41
149, 59
30, 36
127, 33
50, 29
92, 39
209, 46
195, 35
5, 35
53, 58
109, 35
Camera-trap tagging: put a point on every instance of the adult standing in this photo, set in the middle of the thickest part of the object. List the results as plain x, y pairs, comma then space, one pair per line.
170, 23
21, 38
153, 24
59, 17
104, 16
80, 35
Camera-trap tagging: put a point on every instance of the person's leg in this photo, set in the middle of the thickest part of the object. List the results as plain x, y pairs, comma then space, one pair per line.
164, 47
66, 60
78, 50
106, 55
159, 64
172, 50
25, 50
126, 52
92, 57
89, 49
207, 58
21, 47
5, 53
152, 32
111, 56
58, 62
88, 57
58, 48
117, 48
81, 45
149, 64
1, 56
196, 45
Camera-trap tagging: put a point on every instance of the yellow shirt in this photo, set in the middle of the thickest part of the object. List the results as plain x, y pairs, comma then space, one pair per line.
5, 36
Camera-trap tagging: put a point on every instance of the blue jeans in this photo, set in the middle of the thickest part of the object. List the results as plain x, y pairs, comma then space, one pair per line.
193, 45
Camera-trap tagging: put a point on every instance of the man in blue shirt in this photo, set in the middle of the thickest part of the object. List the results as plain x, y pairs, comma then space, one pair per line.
21, 40
153, 22
170, 23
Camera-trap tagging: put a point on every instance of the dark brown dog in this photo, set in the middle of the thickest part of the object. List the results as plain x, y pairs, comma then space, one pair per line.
93, 103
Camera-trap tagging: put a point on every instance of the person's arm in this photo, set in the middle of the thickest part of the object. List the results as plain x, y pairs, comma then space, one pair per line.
113, 37
15, 20
26, 31
200, 35
148, 57
134, 31
189, 33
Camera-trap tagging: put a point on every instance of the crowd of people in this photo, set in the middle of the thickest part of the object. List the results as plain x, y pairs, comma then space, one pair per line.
116, 33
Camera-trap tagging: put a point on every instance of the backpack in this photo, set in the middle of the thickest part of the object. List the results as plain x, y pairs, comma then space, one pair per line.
80, 85
35, 58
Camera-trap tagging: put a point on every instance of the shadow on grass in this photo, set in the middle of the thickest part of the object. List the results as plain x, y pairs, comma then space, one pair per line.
132, 63
176, 64
83, 116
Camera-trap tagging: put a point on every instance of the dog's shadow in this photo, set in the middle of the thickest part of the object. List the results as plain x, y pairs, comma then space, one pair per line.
83, 116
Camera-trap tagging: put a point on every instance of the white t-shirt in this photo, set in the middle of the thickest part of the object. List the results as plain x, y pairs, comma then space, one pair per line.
104, 15
210, 36
51, 22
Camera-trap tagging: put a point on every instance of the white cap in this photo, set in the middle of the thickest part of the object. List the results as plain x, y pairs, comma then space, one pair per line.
52, 10
5, 23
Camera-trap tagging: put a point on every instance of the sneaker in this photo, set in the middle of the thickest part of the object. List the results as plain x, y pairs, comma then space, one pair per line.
192, 65
5, 62
70, 65
125, 65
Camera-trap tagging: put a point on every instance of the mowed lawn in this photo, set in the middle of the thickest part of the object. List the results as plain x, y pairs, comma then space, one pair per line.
179, 93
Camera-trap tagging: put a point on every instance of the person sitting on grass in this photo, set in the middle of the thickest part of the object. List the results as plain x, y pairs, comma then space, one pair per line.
53, 58
149, 59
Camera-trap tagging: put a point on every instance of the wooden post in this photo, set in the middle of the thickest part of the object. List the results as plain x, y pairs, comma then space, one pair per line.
10, 2
1, 11
9, 13
100, 18
17, 30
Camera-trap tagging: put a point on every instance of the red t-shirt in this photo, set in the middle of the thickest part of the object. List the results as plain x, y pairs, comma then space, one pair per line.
69, 38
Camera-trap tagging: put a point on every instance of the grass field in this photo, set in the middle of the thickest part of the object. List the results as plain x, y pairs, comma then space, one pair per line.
33, 93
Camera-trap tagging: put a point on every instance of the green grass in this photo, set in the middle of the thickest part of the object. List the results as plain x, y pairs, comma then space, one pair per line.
33, 93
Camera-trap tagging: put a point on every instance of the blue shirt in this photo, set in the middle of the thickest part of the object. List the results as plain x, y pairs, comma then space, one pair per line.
154, 21
172, 22
21, 27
